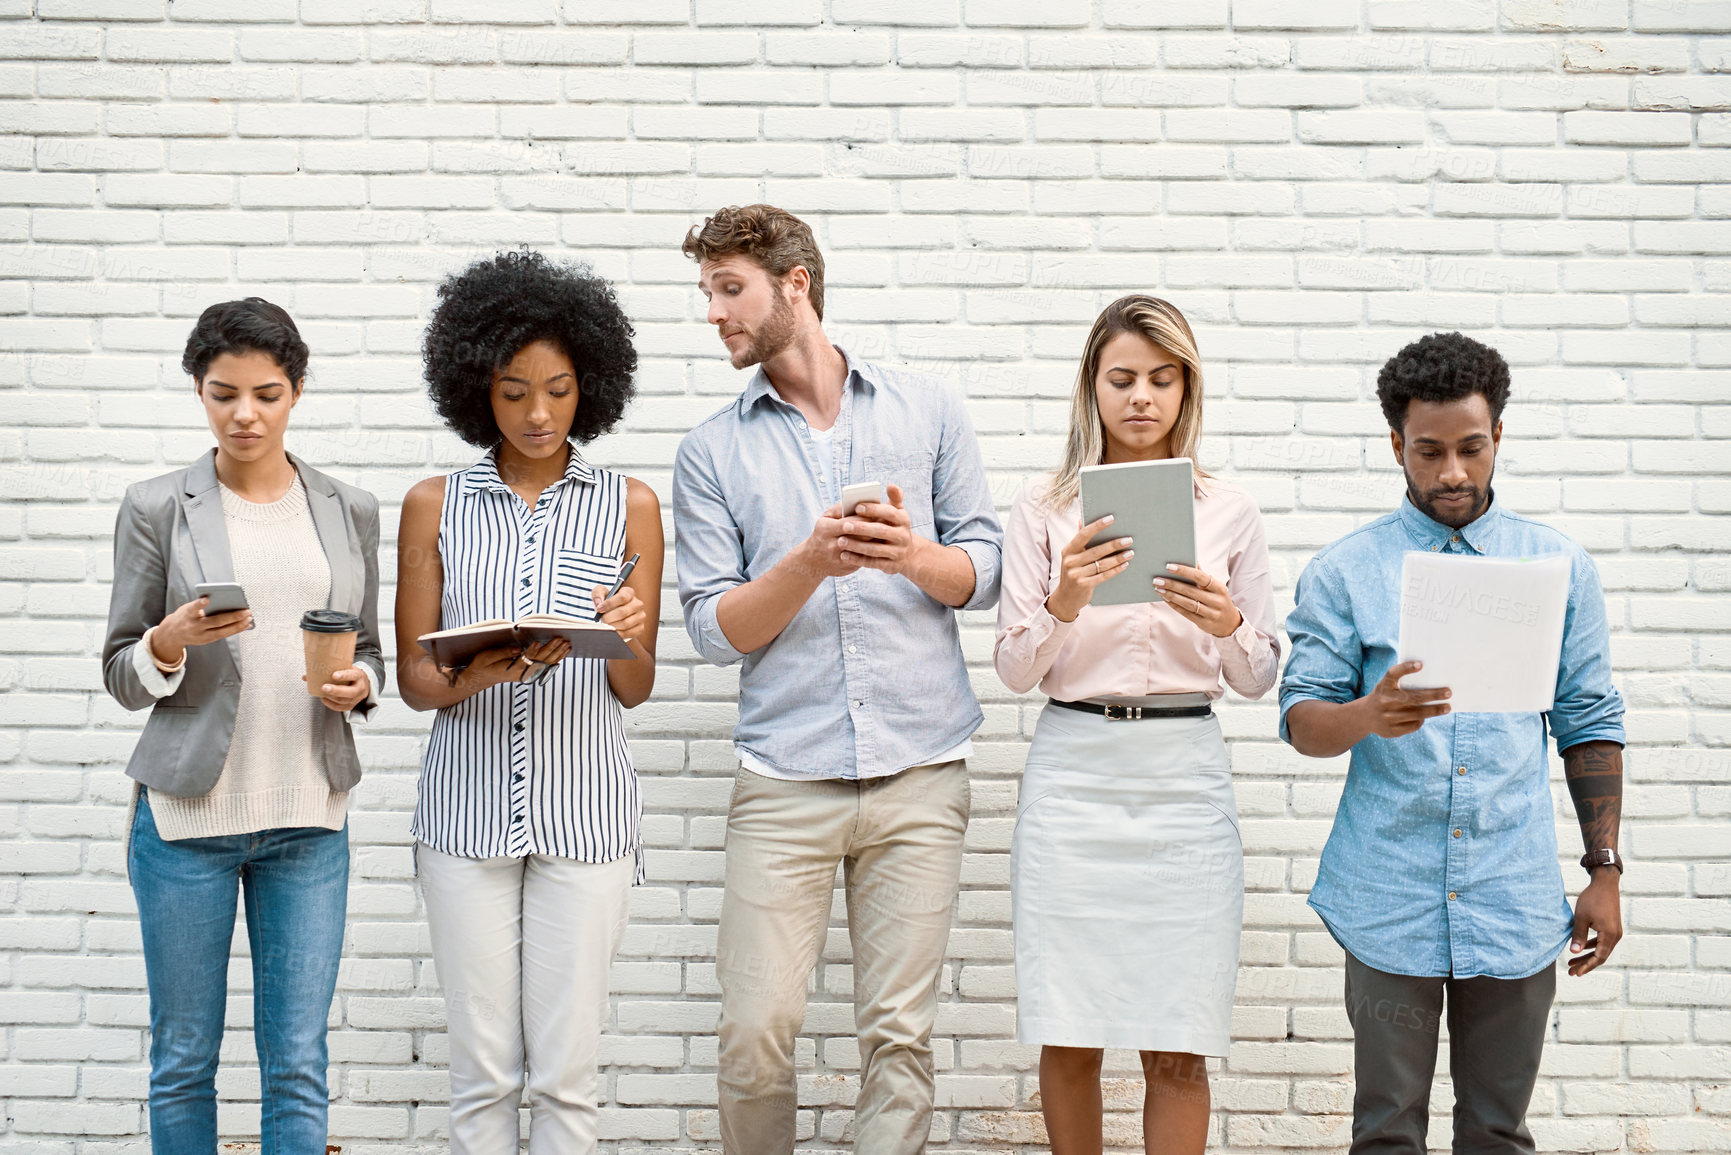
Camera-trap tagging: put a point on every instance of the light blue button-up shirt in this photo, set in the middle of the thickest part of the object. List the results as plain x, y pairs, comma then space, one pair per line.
868, 677
1443, 857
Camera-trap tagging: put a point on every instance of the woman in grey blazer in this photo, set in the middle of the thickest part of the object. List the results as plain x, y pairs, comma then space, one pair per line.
243, 769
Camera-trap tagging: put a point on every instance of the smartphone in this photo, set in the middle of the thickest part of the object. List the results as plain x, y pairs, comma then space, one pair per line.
863, 491
225, 597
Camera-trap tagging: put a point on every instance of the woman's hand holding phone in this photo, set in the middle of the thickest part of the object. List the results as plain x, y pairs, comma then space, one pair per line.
191, 626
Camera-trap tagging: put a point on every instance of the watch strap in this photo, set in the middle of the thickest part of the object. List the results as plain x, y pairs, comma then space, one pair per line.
1606, 857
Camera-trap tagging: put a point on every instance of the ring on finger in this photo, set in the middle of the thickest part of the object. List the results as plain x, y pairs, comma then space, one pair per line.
1096, 565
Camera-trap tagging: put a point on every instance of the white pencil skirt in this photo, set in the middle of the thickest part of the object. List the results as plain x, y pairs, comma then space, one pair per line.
1127, 885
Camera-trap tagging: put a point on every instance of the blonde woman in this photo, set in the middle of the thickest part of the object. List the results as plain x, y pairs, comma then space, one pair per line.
1127, 871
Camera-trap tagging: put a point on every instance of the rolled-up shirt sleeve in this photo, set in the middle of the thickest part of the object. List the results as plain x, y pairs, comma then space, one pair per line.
1326, 662
1587, 707
362, 712
709, 551
1028, 637
1250, 655
159, 683
962, 503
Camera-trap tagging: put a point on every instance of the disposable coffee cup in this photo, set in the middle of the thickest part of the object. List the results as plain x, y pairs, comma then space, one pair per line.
330, 642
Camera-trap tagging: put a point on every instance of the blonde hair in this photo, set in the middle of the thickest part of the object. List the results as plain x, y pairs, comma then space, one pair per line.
1152, 319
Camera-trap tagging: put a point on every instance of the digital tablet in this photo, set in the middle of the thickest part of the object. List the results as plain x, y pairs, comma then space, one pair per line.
1152, 502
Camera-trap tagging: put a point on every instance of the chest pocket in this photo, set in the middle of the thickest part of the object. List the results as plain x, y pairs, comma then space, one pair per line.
1505, 809
575, 573
912, 472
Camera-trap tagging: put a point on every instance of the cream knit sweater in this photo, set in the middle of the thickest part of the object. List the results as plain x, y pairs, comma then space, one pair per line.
275, 772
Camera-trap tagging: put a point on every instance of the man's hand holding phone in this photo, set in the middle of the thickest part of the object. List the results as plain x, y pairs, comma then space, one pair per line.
827, 550
822, 552
879, 535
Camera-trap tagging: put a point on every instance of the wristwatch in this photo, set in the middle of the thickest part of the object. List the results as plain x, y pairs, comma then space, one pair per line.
1602, 858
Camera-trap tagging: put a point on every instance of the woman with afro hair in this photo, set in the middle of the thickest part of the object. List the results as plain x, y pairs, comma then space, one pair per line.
528, 811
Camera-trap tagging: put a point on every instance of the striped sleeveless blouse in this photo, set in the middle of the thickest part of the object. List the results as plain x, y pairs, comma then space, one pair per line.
517, 770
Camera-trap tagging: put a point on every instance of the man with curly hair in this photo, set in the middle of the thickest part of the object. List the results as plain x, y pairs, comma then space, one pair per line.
1441, 872
855, 710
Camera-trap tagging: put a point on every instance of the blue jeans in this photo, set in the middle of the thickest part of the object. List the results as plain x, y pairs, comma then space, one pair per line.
296, 886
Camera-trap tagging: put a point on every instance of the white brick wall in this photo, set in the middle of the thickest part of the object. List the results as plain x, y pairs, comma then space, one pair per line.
1314, 181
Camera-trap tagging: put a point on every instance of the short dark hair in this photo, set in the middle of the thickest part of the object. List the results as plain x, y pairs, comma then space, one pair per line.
772, 238
250, 326
1439, 368
491, 310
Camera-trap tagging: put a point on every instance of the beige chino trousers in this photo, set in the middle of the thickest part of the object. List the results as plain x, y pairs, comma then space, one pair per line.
899, 840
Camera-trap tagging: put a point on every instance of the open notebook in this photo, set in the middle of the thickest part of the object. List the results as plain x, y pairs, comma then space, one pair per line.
456, 648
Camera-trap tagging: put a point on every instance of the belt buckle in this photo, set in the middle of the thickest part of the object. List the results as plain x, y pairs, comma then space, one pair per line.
1123, 713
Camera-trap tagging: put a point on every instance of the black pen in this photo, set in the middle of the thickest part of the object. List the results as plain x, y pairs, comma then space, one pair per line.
546, 671
624, 572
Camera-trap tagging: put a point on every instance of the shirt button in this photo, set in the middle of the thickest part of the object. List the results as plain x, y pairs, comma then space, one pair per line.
1457, 834
853, 649
1455, 538
1434, 548
1462, 770
1451, 896
517, 727
525, 581
518, 777
858, 705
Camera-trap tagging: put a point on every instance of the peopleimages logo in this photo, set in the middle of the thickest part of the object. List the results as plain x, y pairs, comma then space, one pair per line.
1435, 600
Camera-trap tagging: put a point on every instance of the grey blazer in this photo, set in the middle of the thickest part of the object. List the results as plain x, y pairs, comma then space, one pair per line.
170, 536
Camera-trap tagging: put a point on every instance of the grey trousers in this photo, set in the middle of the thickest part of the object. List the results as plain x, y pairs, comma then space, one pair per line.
1497, 1029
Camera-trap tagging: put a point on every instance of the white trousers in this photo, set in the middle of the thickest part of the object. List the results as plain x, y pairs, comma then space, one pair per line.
523, 947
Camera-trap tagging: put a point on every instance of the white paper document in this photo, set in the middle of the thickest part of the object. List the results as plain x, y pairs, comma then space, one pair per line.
1488, 628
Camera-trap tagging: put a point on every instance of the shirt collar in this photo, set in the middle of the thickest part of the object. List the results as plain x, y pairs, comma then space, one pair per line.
862, 372
1432, 535
484, 474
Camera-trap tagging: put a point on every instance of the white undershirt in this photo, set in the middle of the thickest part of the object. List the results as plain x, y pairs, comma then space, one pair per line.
823, 440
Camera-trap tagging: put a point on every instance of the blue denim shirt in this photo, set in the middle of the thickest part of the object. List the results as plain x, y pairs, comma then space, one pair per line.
868, 677
1443, 857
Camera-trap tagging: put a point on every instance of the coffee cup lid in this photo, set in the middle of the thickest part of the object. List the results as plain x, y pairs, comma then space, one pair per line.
330, 622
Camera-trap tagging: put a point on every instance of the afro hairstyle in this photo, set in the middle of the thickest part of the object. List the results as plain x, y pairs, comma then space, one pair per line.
1440, 368
253, 325
491, 310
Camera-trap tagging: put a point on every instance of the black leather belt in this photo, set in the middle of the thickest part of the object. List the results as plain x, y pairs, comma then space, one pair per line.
1135, 713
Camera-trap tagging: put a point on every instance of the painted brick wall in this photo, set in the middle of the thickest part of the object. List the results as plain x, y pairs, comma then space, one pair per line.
1314, 181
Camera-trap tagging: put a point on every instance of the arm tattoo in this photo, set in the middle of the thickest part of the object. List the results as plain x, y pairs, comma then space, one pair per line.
1594, 771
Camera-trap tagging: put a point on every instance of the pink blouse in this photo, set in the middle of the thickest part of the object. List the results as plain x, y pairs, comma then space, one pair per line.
1136, 650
